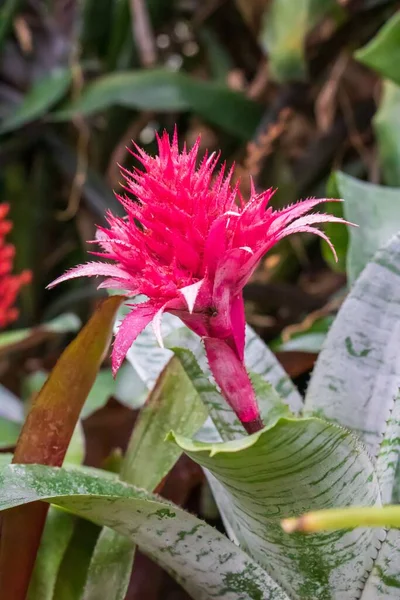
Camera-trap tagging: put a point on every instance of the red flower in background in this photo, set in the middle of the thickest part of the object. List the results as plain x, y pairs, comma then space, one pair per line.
187, 245
10, 285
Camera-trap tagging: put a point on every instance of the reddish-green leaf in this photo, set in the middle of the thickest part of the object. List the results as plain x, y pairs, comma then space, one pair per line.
45, 438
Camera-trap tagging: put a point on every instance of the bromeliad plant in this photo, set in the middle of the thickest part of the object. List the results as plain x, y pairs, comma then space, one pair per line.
336, 448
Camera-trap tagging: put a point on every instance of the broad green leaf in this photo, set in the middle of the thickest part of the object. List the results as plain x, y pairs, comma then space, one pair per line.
357, 375
12, 340
286, 24
173, 404
45, 438
43, 95
376, 211
382, 53
163, 91
387, 128
276, 473
205, 562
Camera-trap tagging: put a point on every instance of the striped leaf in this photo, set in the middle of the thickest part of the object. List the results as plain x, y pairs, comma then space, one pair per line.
293, 467
205, 562
357, 375
173, 403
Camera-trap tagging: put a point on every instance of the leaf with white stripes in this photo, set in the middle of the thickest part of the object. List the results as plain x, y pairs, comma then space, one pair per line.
204, 561
357, 375
296, 466
384, 580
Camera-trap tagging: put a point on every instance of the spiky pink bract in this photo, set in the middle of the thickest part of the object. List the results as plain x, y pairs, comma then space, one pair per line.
189, 247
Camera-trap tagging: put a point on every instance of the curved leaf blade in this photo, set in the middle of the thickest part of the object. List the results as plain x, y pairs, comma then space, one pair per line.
43, 95
205, 562
162, 90
382, 53
276, 473
357, 375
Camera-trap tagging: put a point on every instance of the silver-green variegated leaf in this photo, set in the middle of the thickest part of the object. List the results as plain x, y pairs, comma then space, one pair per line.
384, 581
205, 562
357, 375
296, 466
173, 403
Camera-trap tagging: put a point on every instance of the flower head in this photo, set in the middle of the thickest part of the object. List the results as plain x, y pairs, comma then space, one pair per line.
190, 243
9, 284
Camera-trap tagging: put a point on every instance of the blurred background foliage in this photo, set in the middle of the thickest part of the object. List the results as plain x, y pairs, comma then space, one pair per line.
281, 87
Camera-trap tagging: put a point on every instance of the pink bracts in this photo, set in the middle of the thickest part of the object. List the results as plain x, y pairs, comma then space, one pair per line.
189, 242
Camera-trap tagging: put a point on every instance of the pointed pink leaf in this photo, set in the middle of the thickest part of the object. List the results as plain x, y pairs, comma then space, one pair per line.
287, 215
91, 270
131, 326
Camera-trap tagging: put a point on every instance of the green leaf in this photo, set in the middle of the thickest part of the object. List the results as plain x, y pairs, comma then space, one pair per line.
205, 562
286, 24
276, 473
43, 95
7, 13
387, 128
71, 576
9, 432
376, 211
110, 567
163, 91
173, 404
15, 339
57, 534
45, 438
357, 375
382, 53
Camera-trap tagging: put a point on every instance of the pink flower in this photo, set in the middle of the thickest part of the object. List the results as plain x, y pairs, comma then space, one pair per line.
190, 248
